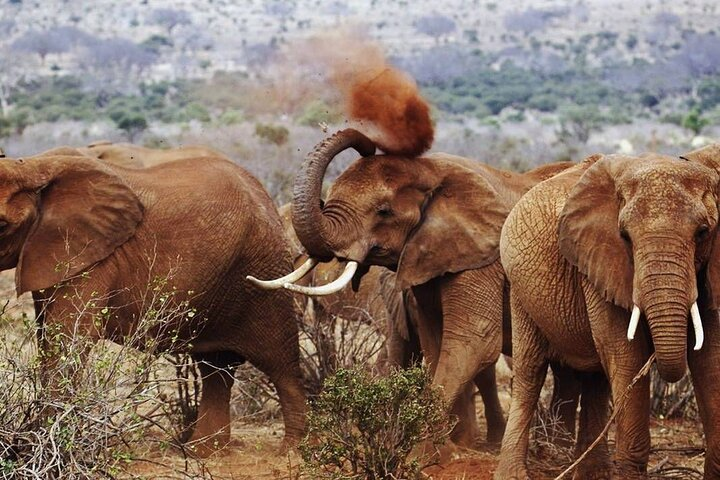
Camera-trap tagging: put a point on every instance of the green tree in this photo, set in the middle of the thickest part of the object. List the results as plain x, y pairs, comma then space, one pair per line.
132, 123
694, 121
578, 122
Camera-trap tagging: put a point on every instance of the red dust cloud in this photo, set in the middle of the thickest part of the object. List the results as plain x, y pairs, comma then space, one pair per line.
381, 101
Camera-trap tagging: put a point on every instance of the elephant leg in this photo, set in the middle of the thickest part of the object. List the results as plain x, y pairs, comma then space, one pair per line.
66, 333
706, 382
593, 417
429, 323
487, 385
467, 428
212, 428
621, 361
530, 352
564, 403
268, 339
472, 327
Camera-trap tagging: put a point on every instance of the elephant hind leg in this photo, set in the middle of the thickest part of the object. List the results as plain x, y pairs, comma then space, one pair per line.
487, 385
212, 427
564, 403
594, 405
466, 430
530, 361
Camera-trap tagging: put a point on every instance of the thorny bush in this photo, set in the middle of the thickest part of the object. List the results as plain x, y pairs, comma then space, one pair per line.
110, 404
365, 427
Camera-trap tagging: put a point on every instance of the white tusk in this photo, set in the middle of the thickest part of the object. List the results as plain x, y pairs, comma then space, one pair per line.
294, 276
332, 287
697, 326
634, 320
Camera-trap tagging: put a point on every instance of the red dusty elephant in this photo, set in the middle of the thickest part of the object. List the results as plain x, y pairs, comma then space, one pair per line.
83, 231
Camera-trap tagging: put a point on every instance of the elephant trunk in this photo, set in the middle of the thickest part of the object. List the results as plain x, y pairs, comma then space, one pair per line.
308, 221
666, 290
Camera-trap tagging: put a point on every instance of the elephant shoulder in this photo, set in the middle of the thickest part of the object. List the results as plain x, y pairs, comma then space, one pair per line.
531, 226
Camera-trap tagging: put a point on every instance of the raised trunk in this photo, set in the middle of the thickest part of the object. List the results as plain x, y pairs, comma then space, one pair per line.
667, 288
308, 221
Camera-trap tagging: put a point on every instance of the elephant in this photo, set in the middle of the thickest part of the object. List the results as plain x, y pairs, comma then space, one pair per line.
435, 220
606, 262
377, 299
78, 230
129, 155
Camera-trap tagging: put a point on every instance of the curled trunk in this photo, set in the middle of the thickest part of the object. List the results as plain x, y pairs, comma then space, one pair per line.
308, 221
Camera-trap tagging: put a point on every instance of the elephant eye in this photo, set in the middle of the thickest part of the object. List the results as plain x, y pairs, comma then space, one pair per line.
385, 210
624, 234
702, 232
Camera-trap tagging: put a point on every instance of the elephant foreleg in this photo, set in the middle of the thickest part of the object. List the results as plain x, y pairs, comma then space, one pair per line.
706, 382
622, 360
427, 318
472, 327
212, 428
67, 331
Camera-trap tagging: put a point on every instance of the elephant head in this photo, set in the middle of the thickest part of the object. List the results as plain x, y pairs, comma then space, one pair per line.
641, 230
60, 214
420, 216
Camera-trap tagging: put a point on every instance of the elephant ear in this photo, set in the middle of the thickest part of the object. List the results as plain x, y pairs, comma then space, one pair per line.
588, 232
709, 156
85, 212
459, 229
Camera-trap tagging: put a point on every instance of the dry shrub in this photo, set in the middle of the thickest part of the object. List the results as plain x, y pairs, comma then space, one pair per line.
329, 342
672, 400
109, 404
551, 446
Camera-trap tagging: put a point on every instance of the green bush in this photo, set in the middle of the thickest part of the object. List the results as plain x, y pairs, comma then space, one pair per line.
544, 102
317, 112
231, 117
364, 427
275, 134
694, 122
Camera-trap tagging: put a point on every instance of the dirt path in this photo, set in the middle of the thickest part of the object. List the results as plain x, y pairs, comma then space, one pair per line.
254, 454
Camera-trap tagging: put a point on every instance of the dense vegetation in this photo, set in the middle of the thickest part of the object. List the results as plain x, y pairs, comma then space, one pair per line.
482, 93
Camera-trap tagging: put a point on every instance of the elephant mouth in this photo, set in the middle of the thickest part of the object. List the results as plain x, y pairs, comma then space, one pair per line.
287, 282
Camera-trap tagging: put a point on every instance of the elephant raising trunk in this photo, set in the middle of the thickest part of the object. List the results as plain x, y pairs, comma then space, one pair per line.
308, 219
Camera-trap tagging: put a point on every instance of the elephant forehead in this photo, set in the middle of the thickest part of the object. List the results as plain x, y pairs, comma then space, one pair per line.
666, 180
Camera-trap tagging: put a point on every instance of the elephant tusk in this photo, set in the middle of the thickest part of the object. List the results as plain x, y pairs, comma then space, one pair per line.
294, 276
697, 326
332, 287
634, 320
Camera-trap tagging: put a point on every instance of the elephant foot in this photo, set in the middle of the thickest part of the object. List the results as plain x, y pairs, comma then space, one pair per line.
495, 432
511, 471
464, 439
436, 454
629, 472
593, 472
288, 444
203, 446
